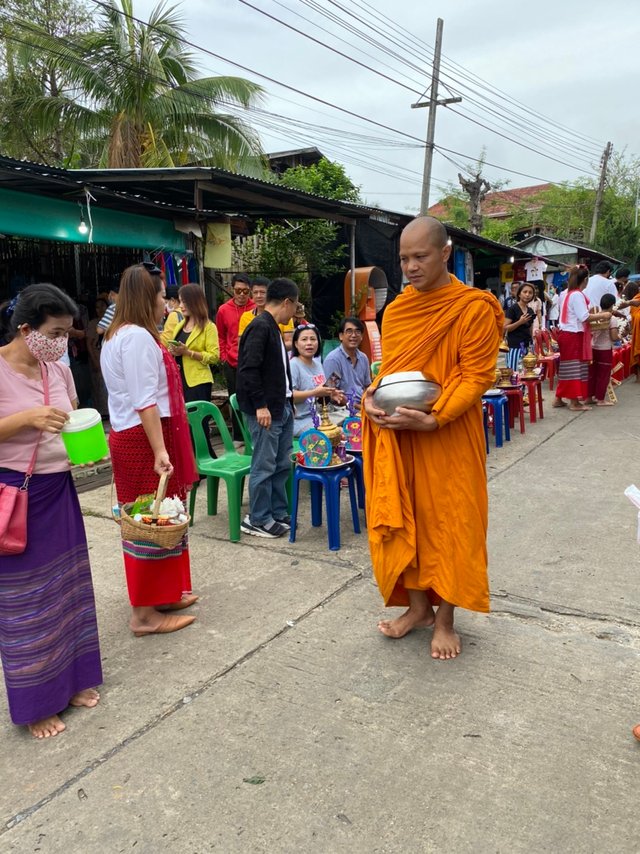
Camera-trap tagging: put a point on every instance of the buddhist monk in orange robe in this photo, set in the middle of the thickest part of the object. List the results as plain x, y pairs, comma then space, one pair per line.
633, 302
425, 476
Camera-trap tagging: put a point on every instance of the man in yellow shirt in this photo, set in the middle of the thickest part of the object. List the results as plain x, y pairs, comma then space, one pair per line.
259, 296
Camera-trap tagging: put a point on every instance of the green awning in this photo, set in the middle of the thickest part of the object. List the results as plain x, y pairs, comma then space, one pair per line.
27, 215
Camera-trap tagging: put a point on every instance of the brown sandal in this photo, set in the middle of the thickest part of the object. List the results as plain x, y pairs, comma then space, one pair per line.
185, 602
168, 625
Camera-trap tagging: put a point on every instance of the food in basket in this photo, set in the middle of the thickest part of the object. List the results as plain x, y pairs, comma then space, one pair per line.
171, 511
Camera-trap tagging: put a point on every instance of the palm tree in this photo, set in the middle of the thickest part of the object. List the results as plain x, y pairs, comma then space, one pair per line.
134, 98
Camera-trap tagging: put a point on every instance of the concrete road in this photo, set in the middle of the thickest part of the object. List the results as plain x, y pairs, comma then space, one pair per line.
281, 721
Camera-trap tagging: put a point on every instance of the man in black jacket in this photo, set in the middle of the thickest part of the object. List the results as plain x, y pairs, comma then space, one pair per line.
265, 397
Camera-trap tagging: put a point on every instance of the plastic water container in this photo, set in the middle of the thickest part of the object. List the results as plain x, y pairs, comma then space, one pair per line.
83, 437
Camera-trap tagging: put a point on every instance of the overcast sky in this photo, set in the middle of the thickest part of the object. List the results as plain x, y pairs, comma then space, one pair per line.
574, 63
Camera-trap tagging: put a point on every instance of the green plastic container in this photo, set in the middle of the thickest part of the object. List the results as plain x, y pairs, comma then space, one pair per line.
83, 437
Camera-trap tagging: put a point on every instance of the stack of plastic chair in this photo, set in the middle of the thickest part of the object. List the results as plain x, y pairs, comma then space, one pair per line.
231, 467
545, 354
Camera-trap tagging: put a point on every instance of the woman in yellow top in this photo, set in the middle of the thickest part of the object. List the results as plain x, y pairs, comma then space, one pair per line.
193, 340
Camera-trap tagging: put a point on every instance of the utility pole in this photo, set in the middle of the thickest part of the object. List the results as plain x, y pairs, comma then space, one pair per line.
600, 192
432, 104
477, 191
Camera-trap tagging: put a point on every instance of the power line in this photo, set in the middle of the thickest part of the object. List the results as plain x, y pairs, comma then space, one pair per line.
328, 47
406, 36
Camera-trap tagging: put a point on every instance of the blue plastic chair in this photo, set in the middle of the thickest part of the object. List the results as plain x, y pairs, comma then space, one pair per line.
485, 424
232, 467
500, 409
329, 481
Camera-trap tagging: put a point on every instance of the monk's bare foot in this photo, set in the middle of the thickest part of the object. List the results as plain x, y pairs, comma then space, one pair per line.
47, 727
413, 618
445, 643
89, 698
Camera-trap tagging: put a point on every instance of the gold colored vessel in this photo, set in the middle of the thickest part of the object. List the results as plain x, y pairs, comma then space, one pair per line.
529, 363
331, 431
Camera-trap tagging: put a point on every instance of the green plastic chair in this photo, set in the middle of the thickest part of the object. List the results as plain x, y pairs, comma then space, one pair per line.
231, 467
242, 421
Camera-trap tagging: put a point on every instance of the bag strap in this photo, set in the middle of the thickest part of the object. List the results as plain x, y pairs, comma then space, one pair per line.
45, 384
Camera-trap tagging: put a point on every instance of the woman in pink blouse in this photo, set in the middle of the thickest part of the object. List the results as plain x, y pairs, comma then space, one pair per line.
48, 630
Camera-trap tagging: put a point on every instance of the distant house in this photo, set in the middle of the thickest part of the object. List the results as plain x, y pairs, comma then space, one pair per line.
502, 203
563, 252
280, 161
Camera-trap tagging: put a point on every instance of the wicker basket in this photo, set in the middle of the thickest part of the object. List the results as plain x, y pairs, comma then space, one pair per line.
165, 536
597, 325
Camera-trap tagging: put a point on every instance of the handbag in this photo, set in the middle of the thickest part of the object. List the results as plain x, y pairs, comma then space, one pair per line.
14, 500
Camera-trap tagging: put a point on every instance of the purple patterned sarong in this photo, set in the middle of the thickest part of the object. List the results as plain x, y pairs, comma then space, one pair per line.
48, 629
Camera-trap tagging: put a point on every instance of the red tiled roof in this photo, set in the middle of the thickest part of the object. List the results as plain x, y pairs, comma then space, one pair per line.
500, 203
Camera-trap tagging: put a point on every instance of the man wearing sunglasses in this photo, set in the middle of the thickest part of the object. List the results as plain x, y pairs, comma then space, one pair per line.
227, 322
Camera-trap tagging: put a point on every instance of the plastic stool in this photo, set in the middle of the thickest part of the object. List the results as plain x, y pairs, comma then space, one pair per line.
329, 480
534, 393
500, 408
515, 397
358, 471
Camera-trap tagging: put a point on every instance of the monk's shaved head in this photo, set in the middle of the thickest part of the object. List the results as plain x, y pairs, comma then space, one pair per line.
429, 227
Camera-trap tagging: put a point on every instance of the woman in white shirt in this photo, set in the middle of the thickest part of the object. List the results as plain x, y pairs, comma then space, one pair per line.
149, 437
574, 341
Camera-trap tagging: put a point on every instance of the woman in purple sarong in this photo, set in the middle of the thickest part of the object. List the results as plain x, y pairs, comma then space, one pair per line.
48, 629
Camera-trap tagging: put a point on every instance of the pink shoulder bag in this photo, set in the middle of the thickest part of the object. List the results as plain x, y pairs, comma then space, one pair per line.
14, 500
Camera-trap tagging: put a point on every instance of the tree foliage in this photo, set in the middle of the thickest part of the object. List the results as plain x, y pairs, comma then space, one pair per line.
565, 211
299, 249
130, 94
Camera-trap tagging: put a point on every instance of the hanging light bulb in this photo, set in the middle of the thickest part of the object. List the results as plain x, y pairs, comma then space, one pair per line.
82, 228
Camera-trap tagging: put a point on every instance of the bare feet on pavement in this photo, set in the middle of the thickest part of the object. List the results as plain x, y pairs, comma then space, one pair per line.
89, 698
445, 642
413, 618
47, 727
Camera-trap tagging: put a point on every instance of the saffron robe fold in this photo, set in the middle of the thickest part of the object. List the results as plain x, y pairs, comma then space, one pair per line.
426, 493
635, 336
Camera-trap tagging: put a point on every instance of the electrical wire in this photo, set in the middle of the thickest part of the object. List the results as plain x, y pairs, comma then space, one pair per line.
558, 141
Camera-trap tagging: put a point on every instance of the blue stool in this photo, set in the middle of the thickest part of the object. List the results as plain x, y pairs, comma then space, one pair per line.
329, 480
358, 471
500, 407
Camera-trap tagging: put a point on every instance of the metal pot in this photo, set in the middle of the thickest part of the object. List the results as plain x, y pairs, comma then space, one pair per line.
406, 388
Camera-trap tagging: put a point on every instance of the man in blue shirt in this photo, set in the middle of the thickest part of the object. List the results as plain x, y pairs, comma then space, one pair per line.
347, 368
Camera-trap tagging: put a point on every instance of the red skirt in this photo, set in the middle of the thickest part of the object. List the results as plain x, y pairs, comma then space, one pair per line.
573, 372
155, 576
132, 461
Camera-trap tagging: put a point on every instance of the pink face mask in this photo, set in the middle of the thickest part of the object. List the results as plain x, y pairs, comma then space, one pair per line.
46, 349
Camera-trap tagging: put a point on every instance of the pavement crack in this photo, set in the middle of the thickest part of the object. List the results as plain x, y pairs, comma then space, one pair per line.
560, 610
182, 703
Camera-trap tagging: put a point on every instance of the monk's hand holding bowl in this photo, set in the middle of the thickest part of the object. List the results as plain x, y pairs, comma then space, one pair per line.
377, 415
410, 419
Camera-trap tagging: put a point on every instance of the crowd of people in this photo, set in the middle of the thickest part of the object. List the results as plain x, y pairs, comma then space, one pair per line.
587, 320
426, 491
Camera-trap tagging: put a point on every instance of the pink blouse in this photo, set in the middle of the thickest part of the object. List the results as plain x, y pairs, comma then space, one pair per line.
18, 393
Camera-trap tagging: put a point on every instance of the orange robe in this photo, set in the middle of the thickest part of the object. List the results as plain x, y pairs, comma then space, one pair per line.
635, 336
427, 503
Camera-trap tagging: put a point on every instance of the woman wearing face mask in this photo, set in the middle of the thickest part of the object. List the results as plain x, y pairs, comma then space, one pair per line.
48, 630
149, 437
307, 376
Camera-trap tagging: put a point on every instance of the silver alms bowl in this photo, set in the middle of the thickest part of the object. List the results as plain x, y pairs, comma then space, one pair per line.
406, 388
